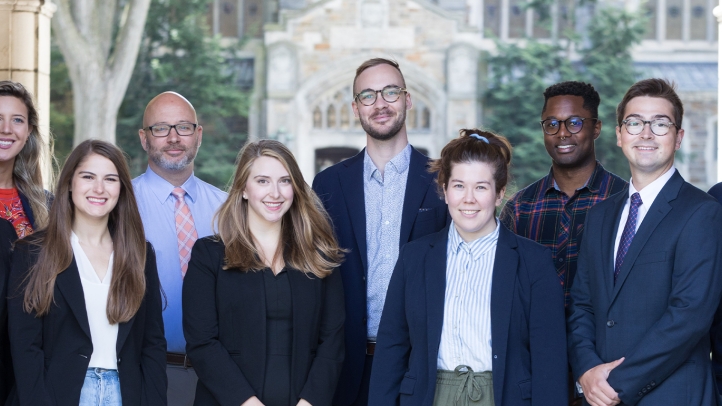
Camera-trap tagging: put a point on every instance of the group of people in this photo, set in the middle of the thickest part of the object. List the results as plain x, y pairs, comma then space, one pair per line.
390, 281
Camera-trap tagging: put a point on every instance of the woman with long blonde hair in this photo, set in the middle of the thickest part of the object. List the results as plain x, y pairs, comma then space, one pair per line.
263, 307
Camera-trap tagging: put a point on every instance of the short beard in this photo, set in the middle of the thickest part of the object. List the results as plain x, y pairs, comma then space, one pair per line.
391, 133
157, 157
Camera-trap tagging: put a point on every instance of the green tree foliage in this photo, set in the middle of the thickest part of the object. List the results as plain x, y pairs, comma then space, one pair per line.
177, 54
518, 76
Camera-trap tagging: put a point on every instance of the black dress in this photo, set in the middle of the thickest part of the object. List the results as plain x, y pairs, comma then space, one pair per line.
279, 327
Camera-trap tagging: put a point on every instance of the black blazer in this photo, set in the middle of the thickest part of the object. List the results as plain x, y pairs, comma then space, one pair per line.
659, 312
527, 326
7, 237
51, 353
341, 189
224, 319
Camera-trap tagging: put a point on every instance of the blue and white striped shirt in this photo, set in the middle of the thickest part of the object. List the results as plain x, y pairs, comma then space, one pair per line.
466, 333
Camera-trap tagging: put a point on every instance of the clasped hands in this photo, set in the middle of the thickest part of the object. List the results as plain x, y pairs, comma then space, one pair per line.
595, 386
255, 402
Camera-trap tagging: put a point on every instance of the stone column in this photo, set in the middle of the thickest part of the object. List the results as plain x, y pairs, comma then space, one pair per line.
25, 54
718, 14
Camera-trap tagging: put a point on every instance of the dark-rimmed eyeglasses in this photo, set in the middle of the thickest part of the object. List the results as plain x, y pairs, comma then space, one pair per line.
659, 126
389, 93
182, 129
574, 124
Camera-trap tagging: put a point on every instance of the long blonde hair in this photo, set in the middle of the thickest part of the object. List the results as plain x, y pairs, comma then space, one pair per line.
27, 171
127, 285
307, 240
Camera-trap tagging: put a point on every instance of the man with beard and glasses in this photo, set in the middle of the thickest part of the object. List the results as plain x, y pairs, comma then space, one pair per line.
176, 208
378, 200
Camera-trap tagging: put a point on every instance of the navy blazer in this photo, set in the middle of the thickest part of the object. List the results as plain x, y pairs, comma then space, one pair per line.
529, 362
7, 237
51, 353
659, 312
341, 189
224, 322
716, 330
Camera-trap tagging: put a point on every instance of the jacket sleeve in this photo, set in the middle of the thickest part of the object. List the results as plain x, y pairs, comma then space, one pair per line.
393, 344
211, 360
326, 366
695, 295
153, 354
26, 335
547, 335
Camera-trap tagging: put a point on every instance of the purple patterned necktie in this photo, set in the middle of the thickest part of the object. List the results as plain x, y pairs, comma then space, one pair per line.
630, 228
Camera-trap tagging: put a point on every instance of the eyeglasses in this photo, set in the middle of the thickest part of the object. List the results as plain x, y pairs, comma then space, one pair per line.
659, 126
389, 93
182, 129
574, 124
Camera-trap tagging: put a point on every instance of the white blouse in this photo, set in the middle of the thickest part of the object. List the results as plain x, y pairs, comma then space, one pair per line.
103, 334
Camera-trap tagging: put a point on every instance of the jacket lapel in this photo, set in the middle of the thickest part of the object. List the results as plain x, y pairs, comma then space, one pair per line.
656, 213
502, 293
417, 184
435, 274
68, 282
352, 184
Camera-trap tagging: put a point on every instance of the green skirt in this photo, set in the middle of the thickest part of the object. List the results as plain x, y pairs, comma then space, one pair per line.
464, 387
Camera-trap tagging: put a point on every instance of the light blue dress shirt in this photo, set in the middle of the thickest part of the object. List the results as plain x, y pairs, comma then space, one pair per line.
157, 210
384, 200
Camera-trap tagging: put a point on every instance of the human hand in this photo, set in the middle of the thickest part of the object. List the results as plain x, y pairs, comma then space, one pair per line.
595, 386
252, 402
303, 402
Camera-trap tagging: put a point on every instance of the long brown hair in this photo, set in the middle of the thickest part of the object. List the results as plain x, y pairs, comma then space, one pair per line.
307, 240
27, 171
127, 286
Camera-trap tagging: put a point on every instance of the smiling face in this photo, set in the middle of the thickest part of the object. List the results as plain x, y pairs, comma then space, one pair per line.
382, 120
14, 127
649, 155
571, 150
173, 153
472, 199
269, 191
95, 188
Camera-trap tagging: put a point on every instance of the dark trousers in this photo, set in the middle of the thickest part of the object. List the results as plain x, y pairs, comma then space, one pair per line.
182, 383
363, 392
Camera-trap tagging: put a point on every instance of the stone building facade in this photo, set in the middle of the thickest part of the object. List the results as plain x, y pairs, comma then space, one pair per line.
305, 53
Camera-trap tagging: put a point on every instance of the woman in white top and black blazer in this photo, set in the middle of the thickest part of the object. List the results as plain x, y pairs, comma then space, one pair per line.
84, 297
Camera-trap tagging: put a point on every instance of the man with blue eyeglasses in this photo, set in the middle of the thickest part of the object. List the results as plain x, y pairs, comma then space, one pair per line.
176, 208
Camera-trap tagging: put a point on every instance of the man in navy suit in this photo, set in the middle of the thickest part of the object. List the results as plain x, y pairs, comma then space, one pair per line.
378, 200
648, 280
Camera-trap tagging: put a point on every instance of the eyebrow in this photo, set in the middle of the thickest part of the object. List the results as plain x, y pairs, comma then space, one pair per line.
654, 117
461, 181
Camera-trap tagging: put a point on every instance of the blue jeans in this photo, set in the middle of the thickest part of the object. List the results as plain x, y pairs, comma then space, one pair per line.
101, 388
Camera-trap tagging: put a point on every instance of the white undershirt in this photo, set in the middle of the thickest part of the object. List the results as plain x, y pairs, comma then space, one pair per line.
647, 194
102, 333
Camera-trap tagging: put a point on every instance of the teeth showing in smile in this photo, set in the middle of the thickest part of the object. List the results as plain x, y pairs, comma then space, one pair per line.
469, 211
272, 204
565, 146
96, 200
5, 143
646, 148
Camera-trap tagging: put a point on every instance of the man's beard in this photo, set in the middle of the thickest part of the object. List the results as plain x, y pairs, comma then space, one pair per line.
156, 155
390, 133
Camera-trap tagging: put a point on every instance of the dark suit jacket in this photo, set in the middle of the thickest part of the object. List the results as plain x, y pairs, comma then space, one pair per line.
224, 319
659, 312
7, 237
341, 190
51, 353
716, 330
527, 324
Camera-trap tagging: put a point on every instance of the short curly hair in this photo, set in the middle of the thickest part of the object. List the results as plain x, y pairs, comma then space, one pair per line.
575, 88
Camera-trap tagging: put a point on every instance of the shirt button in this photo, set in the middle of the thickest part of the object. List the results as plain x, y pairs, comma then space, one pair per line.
561, 260
387, 222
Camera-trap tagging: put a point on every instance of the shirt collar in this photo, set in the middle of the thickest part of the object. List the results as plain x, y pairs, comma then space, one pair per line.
593, 183
399, 163
477, 247
650, 192
162, 189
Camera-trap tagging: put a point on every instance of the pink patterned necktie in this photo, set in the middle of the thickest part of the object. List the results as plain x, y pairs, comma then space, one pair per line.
184, 227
